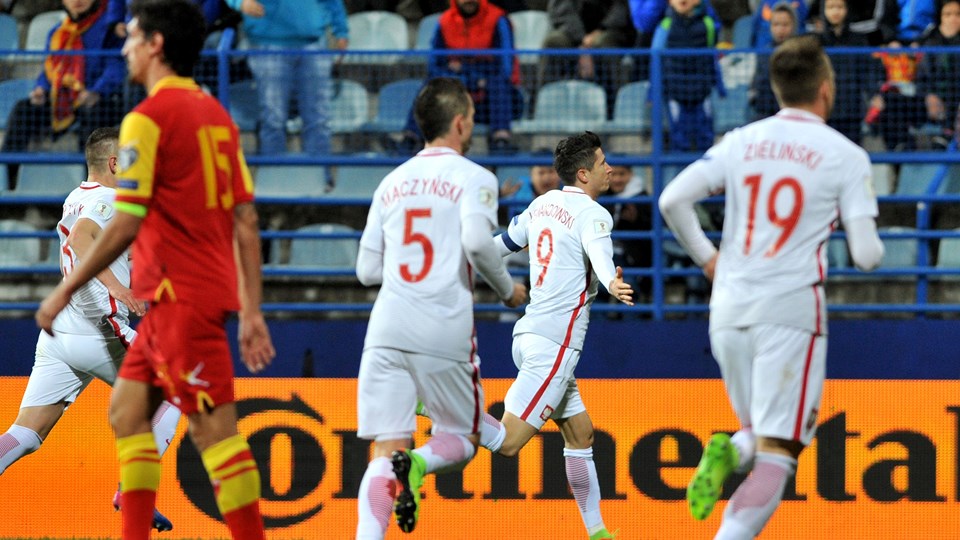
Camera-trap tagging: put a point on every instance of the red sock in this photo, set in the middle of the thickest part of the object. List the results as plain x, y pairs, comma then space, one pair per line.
137, 513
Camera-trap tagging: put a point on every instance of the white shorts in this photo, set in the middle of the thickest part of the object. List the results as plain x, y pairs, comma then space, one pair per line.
390, 382
774, 376
65, 364
545, 387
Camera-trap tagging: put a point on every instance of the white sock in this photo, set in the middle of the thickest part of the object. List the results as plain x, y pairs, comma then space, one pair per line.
746, 444
582, 476
757, 497
375, 499
492, 433
445, 452
165, 425
17, 442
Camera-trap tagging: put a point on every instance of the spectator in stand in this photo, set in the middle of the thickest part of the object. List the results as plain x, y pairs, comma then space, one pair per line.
542, 178
280, 25
492, 81
939, 73
629, 216
763, 19
909, 19
857, 76
587, 24
72, 90
783, 24
688, 80
646, 16
118, 13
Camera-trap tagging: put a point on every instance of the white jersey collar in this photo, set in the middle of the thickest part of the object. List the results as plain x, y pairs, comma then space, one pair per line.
437, 151
572, 189
788, 113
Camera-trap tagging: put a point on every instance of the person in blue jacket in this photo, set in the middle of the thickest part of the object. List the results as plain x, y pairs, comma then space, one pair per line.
73, 90
295, 30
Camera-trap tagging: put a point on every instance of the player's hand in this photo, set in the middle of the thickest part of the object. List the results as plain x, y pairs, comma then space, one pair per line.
519, 296
87, 99
256, 347
509, 187
51, 306
710, 268
251, 8
620, 289
125, 295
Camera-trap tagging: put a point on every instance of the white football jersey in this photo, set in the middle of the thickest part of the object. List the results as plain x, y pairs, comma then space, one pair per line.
557, 227
787, 179
425, 303
92, 301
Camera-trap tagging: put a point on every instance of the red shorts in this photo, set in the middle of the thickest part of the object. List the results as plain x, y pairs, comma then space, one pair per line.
183, 349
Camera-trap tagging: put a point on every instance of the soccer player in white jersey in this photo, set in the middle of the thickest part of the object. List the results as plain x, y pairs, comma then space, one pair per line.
787, 180
428, 229
568, 235
93, 332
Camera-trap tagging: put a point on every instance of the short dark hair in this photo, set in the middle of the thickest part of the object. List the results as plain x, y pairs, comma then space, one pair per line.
798, 67
182, 26
575, 153
100, 145
438, 102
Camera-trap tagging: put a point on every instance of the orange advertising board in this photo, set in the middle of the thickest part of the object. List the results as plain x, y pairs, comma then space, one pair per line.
883, 466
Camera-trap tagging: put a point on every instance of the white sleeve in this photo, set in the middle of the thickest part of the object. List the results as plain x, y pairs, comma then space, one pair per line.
857, 197
866, 248
99, 212
515, 238
677, 206
600, 251
370, 255
482, 252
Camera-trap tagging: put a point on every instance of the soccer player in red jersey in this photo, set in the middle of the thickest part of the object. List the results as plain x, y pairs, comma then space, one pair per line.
184, 195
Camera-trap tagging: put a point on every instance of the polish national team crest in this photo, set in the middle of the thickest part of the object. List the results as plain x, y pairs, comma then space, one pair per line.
546, 413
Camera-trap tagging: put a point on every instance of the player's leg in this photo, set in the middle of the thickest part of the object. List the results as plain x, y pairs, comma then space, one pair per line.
132, 404
384, 389
545, 369
784, 421
732, 347
52, 386
577, 430
451, 390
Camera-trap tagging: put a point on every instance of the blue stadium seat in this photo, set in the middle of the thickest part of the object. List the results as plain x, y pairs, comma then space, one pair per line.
567, 107
425, 31
376, 31
631, 111
743, 32
39, 29
951, 182
12, 91
244, 104
18, 251
9, 35
393, 106
358, 181
290, 181
349, 106
948, 254
915, 178
530, 28
899, 252
325, 253
42, 179
730, 112
837, 255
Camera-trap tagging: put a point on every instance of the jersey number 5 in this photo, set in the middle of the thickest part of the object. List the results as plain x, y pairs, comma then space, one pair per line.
786, 223
410, 237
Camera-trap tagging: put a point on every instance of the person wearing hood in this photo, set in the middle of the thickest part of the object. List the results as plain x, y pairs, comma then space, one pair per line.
491, 80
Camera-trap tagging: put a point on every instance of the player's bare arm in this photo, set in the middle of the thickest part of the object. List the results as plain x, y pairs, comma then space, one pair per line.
109, 245
82, 235
256, 347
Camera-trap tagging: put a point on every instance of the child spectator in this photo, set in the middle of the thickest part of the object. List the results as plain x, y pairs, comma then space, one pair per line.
688, 80
763, 21
783, 24
856, 75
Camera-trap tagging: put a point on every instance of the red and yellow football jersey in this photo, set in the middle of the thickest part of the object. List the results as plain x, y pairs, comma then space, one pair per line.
182, 170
